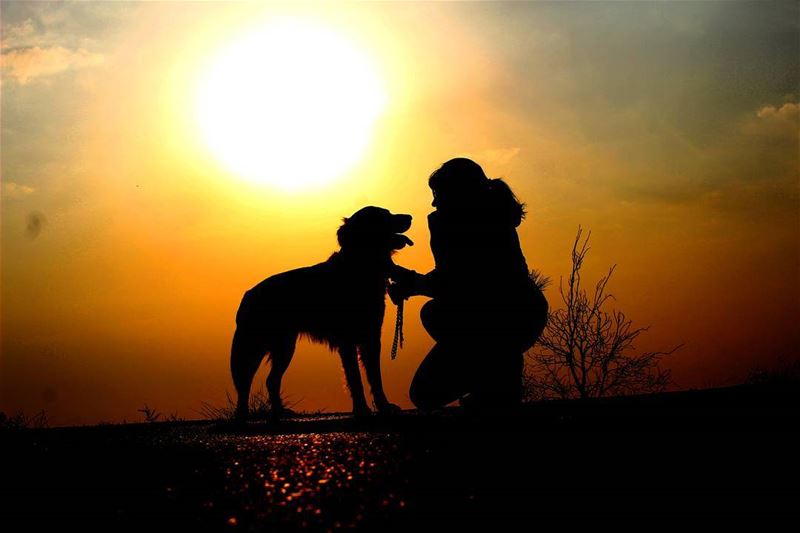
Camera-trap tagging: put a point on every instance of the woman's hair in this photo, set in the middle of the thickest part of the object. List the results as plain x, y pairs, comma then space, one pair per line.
506, 201
466, 178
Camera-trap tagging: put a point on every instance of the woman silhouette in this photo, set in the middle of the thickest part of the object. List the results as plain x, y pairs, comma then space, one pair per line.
485, 310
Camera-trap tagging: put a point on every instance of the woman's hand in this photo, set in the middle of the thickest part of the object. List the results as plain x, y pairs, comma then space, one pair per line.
407, 283
403, 284
400, 274
398, 292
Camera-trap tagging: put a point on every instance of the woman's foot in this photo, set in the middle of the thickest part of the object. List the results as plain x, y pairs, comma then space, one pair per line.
478, 402
468, 402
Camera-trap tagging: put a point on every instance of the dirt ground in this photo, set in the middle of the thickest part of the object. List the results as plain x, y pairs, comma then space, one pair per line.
725, 454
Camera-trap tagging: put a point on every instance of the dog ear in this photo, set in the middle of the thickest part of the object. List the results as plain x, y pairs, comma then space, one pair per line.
344, 234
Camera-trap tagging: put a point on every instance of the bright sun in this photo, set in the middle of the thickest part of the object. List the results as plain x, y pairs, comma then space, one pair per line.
292, 104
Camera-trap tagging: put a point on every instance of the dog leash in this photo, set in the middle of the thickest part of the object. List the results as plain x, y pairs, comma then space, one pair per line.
398, 330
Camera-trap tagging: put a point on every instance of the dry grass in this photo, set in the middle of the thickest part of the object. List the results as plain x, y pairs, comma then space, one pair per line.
22, 421
260, 407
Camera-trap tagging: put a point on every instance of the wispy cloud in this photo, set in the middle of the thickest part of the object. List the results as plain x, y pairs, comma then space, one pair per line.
753, 169
18, 34
498, 156
15, 190
783, 120
27, 64
788, 111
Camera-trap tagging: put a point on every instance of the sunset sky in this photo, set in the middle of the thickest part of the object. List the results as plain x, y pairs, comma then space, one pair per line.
131, 226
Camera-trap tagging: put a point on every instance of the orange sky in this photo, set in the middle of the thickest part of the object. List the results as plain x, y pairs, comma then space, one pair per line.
670, 130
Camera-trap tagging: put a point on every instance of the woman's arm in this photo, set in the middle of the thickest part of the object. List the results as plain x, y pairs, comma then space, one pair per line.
408, 283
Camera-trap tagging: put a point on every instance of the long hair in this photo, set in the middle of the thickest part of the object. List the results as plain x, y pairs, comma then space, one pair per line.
506, 202
464, 178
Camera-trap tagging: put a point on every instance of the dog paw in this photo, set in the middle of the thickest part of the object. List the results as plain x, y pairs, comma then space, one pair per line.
389, 408
280, 413
285, 412
362, 411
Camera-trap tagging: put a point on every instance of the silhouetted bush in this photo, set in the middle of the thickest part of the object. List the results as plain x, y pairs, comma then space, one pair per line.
150, 415
586, 351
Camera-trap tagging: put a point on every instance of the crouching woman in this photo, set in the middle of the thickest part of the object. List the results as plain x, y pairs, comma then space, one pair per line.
485, 311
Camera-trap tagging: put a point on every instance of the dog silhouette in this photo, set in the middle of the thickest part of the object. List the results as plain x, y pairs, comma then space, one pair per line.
339, 302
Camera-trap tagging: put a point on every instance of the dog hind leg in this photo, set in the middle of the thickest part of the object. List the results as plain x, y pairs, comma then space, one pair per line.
280, 355
246, 355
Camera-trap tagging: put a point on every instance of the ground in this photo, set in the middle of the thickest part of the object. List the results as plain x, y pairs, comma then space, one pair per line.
723, 454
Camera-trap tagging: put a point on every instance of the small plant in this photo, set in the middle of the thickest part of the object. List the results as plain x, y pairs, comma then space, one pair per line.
260, 407
23, 421
150, 415
539, 280
783, 373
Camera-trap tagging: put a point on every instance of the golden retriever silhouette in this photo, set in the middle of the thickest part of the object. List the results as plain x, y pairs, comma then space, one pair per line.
339, 302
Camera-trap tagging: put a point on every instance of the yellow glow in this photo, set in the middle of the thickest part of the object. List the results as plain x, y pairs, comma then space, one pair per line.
292, 104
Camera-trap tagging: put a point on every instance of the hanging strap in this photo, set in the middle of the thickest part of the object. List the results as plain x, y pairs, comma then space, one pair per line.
398, 330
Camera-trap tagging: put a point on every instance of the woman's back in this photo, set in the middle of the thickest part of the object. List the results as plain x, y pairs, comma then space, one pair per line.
477, 254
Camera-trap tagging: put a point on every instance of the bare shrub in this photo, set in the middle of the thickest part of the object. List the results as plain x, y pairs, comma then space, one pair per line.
587, 351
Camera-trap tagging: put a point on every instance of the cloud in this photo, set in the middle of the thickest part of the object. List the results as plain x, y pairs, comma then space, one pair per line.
497, 156
15, 190
17, 34
781, 120
26, 64
788, 111
71, 25
751, 170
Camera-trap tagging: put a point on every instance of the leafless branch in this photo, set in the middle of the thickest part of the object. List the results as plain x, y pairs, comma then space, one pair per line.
587, 351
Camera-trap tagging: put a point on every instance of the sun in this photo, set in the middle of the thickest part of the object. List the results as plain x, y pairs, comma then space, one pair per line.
292, 104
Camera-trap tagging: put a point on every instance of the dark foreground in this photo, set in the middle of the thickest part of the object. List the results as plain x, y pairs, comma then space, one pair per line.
728, 454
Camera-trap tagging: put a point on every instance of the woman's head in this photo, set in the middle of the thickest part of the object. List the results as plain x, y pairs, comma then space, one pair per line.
462, 184
466, 171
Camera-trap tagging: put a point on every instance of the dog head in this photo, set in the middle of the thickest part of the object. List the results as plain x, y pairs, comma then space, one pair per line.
374, 230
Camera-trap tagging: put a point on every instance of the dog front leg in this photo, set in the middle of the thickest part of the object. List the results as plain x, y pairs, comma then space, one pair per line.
371, 358
353, 376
